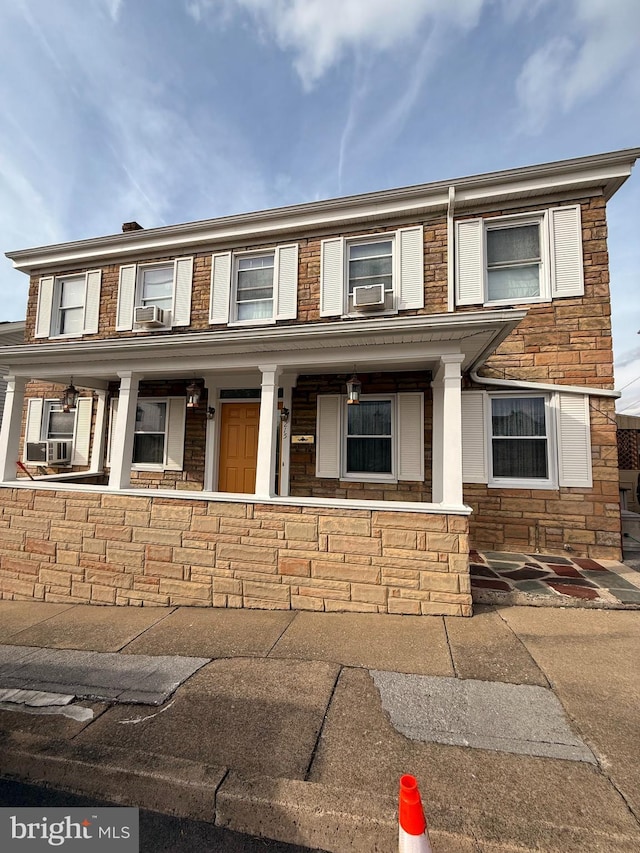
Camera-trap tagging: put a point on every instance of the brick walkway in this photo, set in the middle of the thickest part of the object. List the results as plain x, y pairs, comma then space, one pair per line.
549, 580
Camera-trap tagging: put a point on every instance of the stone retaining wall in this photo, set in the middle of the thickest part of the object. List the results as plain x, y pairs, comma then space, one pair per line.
104, 548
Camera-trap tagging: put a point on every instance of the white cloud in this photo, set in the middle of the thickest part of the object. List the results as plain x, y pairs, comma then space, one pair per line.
600, 43
114, 7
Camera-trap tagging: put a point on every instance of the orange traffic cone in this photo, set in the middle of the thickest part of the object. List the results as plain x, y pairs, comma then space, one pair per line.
414, 837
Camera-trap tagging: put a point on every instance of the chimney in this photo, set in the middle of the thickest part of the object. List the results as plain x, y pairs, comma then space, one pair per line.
131, 226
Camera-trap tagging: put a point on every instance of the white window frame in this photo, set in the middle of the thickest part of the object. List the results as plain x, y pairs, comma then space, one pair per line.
56, 308
550, 482
49, 407
364, 477
233, 307
383, 237
152, 466
497, 223
137, 301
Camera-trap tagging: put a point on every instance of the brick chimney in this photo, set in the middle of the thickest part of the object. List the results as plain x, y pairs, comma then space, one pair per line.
131, 226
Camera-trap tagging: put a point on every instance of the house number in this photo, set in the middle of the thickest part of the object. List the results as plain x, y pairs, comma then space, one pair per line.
302, 439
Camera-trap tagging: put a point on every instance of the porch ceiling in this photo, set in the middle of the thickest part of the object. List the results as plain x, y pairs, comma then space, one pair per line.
377, 344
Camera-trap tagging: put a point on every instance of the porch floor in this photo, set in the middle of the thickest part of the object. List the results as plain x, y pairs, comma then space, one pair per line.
546, 580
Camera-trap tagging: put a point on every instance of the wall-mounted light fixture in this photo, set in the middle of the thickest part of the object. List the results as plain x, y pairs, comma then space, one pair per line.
354, 386
69, 397
284, 415
211, 412
193, 395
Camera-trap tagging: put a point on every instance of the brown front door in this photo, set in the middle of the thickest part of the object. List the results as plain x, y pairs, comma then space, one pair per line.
238, 447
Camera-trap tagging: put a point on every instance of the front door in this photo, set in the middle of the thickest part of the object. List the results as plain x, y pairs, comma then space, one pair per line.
238, 447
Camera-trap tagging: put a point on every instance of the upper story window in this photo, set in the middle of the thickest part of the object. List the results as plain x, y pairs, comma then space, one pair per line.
154, 296
68, 305
524, 258
375, 274
254, 287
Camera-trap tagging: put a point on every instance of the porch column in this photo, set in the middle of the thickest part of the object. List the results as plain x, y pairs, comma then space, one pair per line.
122, 439
447, 431
11, 427
210, 440
287, 383
267, 431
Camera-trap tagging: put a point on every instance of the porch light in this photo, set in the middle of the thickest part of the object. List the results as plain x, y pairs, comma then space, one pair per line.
211, 412
193, 395
354, 386
284, 415
69, 397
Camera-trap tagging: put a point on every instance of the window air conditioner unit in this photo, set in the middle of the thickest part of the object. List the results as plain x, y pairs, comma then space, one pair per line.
368, 296
148, 315
52, 452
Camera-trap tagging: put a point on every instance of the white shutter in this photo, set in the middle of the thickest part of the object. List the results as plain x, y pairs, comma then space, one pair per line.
332, 286
410, 420
175, 433
126, 296
328, 436
574, 440
183, 278
33, 429
410, 246
565, 249
220, 288
113, 414
474, 442
45, 304
286, 275
92, 302
82, 431
469, 262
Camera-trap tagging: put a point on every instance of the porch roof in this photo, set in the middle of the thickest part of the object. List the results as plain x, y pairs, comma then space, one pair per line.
377, 344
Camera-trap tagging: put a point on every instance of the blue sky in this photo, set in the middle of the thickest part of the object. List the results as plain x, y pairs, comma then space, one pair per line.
177, 110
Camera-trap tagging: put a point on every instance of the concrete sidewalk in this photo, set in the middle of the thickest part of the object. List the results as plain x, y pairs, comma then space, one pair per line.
299, 725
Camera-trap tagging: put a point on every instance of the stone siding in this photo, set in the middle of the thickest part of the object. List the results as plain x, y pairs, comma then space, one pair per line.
99, 548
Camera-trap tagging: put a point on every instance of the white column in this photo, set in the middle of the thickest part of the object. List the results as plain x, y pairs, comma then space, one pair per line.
287, 383
267, 431
122, 439
211, 437
447, 431
11, 427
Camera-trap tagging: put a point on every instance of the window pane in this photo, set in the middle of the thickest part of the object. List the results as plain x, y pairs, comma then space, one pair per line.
249, 279
150, 416
255, 310
522, 458
157, 284
506, 245
60, 424
514, 283
524, 416
368, 250
71, 292
371, 417
368, 455
369, 267
148, 449
71, 321
261, 262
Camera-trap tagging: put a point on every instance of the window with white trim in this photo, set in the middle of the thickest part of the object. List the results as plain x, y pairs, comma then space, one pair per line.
520, 440
48, 423
254, 287
68, 305
155, 286
149, 438
511, 260
159, 433
369, 434
155, 295
56, 423
370, 275
69, 296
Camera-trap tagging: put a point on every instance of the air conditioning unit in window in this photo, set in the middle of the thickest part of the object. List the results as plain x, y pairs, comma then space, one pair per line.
52, 452
368, 296
148, 315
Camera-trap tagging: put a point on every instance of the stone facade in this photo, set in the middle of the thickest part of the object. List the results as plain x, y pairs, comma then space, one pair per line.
94, 547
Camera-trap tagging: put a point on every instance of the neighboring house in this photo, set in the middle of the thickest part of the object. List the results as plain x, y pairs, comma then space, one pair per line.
629, 461
321, 406
11, 334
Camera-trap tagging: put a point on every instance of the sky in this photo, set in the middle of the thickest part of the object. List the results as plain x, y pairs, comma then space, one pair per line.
177, 110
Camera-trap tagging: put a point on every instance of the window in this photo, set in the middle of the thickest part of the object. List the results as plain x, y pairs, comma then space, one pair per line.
150, 433
513, 263
532, 257
371, 264
56, 423
519, 440
388, 267
69, 298
369, 438
254, 287
166, 286
156, 286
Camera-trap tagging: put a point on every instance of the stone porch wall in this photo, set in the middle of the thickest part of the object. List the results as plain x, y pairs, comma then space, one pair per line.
102, 548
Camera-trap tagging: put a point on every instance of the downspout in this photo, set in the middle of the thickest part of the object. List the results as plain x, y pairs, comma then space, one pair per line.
538, 386
450, 251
